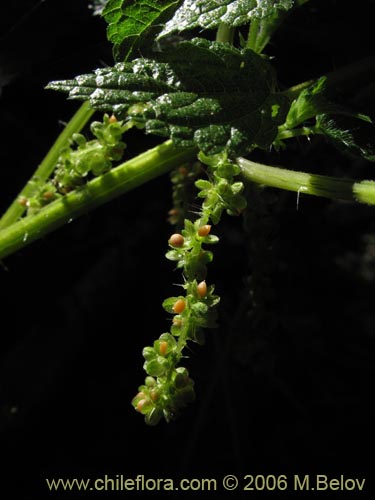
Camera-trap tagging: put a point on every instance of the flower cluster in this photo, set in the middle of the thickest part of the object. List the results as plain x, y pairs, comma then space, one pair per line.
171, 387
79, 161
221, 192
168, 387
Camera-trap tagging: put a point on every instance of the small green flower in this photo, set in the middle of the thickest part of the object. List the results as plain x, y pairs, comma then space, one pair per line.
168, 387
79, 161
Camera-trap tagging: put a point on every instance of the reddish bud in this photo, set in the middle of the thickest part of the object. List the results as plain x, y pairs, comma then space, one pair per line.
204, 230
176, 240
179, 306
22, 200
48, 195
202, 289
141, 403
183, 171
154, 395
163, 347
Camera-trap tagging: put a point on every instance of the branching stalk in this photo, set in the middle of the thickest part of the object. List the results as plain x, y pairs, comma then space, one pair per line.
158, 161
45, 169
98, 191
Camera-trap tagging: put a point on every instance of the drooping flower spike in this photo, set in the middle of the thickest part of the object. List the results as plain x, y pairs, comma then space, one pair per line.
168, 386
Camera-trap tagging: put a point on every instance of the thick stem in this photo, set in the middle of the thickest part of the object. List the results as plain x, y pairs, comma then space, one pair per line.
225, 33
306, 183
48, 164
98, 191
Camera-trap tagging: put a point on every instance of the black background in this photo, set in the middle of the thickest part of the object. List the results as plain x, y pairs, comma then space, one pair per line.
78, 306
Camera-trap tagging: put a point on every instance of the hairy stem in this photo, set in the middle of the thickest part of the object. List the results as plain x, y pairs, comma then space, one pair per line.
302, 131
48, 164
306, 183
98, 191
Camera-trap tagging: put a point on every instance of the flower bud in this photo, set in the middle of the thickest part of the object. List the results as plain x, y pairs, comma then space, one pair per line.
142, 406
150, 381
23, 201
148, 353
176, 240
163, 347
202, 289
179, 306
155, 395
204, 230
156, 367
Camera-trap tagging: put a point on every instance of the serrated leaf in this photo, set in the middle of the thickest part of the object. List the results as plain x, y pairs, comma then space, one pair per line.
131, 22
351, 134
210, 13
202, 93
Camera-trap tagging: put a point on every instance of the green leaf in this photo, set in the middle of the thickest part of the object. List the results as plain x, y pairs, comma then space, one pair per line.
312, 102
211, 239
135, 22
156, 367
154, 417
201, 93
210, 13
351, 134
203, 184
199, 308
149, 353
308, 104
170, 302
174, 255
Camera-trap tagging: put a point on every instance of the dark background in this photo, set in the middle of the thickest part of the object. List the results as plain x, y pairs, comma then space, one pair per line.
283, 387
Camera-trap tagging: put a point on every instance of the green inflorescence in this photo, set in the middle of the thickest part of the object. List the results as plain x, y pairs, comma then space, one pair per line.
168, 387
79, 162
207, 96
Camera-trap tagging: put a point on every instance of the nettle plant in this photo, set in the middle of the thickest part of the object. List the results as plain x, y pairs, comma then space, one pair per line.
215, 101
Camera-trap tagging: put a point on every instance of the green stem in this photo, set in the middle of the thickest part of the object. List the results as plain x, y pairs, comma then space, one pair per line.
253, 34
48, 164
306, 183
290, 133
225, 33
98, 191
262, 30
